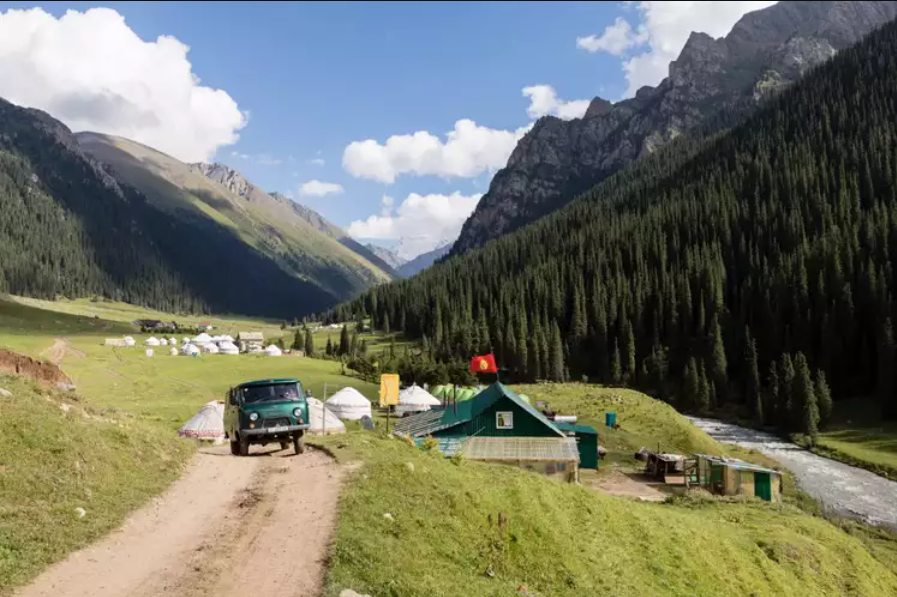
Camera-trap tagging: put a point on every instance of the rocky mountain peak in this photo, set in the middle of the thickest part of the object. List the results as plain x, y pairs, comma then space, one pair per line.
766, 51
227, 176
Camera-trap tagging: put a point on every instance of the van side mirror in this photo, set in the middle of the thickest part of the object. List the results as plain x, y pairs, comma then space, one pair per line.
232, 397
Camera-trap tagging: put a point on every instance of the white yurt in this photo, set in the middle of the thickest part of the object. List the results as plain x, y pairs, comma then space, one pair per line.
321, 420
226, 338
415, 399
174, 351
210, 348
190, 350
273, 351
201, 339
185, 340
228, 348
163, 341
349, 404
208, 423
129, 341
173, 341
149, 352
151, 341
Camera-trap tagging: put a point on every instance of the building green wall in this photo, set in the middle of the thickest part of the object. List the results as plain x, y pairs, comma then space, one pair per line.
483, 425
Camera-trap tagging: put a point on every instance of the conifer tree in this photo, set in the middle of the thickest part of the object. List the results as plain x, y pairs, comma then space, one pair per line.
786, 413
823, 398
344, 345
886, 364
718, 362
616, 367
629, 372
329, 350
691, 384
702, 397
772, 393
753, 389
386, 329
556, 373
298, 340
804, 397
309, 343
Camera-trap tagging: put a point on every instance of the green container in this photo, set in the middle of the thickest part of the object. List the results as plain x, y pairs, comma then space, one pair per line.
610, 419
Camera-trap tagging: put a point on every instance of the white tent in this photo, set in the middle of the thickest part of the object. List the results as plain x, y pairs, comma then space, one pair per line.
173, 341
208, 423
129, 341
322, 420
185, 340
273, 351
226, 338
210, 348
201, 339
151, 341
415, 399
163, 341
189, 350
349, 404
228, 348
173, 352
149, 352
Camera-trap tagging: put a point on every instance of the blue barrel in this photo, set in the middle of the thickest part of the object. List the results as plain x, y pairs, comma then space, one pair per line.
610, 419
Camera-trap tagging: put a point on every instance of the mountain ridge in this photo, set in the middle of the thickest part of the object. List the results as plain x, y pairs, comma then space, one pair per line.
766, 51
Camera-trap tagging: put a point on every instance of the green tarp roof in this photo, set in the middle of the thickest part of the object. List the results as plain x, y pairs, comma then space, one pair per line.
429, 422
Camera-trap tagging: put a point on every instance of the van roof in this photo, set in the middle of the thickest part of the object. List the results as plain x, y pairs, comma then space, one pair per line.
268, 382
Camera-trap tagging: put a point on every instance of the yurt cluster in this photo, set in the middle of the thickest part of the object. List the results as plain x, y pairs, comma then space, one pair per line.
203, 344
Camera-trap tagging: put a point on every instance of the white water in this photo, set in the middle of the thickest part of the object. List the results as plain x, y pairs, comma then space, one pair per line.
842, 489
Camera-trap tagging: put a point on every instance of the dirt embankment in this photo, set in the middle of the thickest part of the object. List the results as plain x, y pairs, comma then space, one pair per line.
229, 527
47, 374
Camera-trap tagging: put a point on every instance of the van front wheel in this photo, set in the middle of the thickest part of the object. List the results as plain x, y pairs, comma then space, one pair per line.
299, 444
234, 448
244, 446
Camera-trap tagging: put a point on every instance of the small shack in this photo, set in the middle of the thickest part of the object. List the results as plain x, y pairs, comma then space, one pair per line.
586, 442
498, 426
250, 340
731, 476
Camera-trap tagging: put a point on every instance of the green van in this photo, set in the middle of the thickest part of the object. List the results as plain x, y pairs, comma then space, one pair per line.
266, 411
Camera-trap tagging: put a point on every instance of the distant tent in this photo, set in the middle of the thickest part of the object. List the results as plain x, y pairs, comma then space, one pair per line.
129, 341
225, 338
415, 399
185, 340
349, 404
273, 351
173, 341
151, 341
173, 352
228, 348
163, 342
190, 350
202, 339
149, 352
322, 419
210, 348
208, 423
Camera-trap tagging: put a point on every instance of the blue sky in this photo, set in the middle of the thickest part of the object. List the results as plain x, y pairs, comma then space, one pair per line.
314, 78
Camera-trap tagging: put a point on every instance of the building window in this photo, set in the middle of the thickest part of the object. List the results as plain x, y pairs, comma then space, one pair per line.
504, 420
562, 466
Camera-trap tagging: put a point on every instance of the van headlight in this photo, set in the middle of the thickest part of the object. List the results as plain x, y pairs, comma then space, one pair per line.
297, 412
253, 416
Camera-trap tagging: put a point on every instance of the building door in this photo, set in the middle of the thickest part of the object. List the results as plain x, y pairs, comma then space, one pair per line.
763, 486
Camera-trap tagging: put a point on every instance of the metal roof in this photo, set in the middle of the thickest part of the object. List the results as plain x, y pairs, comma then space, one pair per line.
737, 464
521, 448
447, 445
250, 336
576, 428
267, 382
431, 421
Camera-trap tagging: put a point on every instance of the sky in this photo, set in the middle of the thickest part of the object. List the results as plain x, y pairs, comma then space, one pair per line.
387, 118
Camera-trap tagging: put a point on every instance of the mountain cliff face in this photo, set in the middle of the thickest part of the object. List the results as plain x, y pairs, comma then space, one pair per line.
422, 262
766, 51
386, 255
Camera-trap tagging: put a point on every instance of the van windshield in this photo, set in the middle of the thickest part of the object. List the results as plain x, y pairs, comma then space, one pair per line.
273, 393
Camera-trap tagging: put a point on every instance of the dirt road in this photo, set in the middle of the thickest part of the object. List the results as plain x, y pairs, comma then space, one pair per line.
229, 527
59, 350
843, 489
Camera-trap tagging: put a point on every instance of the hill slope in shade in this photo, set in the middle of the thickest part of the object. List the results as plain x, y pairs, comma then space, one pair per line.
70, 228
270, 226
387, 255
712, 84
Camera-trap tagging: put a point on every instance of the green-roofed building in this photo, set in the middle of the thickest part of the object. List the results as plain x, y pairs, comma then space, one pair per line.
586, 442
518, 433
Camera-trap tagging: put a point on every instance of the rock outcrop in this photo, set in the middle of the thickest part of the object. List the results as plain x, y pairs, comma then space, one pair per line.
766, 51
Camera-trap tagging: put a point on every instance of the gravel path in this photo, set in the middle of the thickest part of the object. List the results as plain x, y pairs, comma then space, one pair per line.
230, 527
842, 489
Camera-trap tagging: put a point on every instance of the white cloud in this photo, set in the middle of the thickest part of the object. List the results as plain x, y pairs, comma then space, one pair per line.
387, 204
616, 38
422, 222
317, 162
263, 159
544, 101
94, 73
468, 150
316, 188
664, 28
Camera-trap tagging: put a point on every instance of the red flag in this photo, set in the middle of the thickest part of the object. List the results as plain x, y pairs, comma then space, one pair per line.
483, 364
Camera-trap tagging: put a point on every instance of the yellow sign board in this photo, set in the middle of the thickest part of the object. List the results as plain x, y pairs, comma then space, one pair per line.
389, 389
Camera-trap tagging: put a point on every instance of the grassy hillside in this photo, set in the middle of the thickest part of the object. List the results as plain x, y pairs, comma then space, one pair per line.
52, 462
563, 540
857, 436
269, 225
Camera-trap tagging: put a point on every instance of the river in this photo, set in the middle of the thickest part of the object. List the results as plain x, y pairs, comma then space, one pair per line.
842, 489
